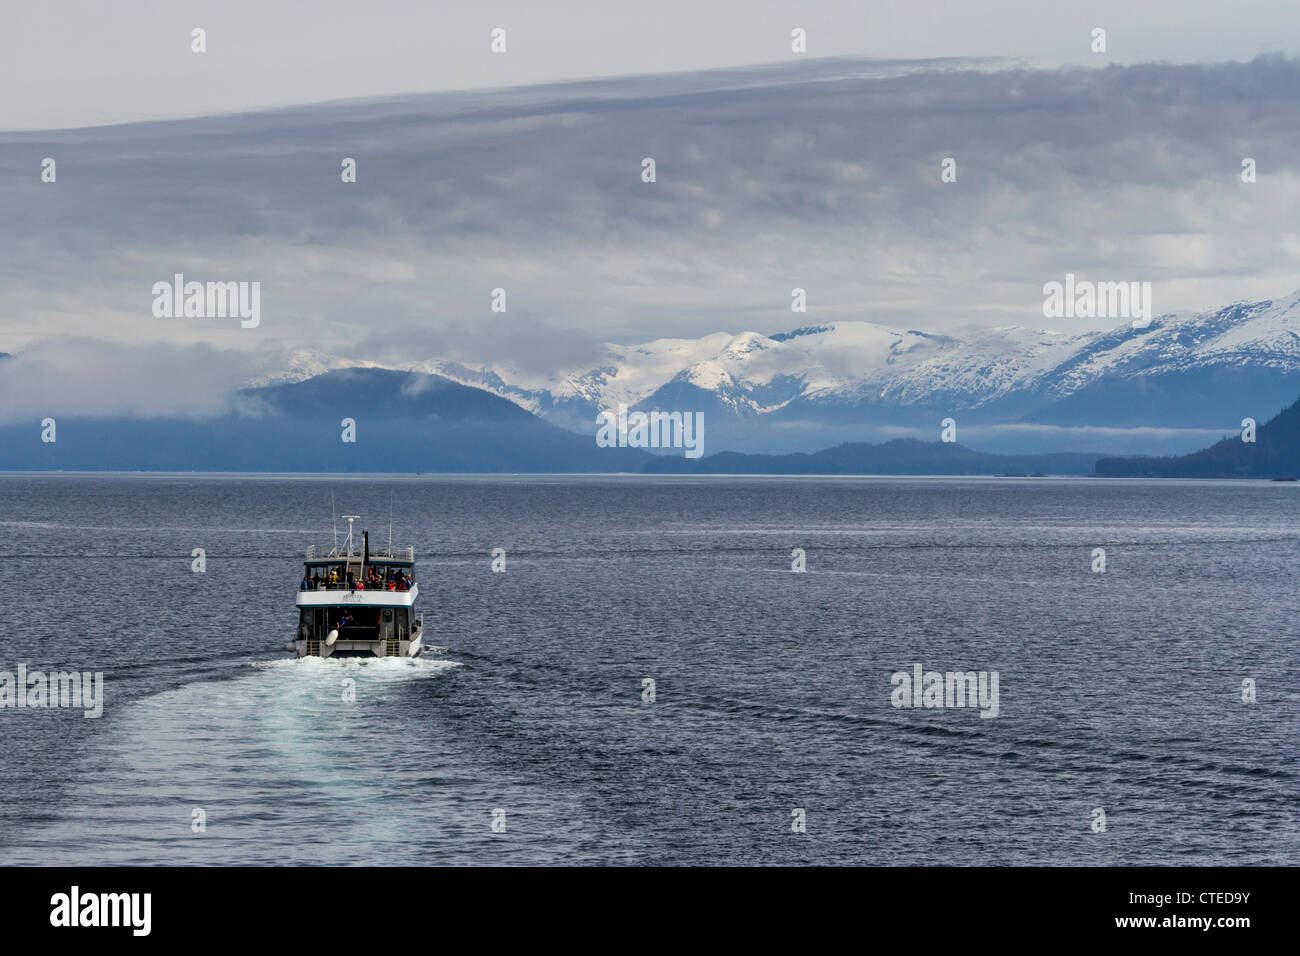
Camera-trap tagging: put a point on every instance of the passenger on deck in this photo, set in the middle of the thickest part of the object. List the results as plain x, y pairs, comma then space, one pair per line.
316, 581
305, 584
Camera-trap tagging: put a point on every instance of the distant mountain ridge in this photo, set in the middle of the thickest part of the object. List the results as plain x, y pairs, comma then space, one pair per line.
407, 422
1275, 453
402, 421
411, 422
1181, 372
902, 456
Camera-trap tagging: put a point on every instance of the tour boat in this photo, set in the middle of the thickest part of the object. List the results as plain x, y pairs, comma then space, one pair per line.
358, 603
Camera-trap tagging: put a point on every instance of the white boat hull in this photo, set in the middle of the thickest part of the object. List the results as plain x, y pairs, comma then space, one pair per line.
310, 647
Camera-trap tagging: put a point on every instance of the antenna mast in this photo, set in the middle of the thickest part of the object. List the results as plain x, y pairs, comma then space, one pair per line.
351, 518
390, 523
335, 522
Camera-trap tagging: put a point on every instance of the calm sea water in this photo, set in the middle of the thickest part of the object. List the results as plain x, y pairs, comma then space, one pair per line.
1120, 690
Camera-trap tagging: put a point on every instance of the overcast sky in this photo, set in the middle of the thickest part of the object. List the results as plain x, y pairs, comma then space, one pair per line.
76, 62
821, 173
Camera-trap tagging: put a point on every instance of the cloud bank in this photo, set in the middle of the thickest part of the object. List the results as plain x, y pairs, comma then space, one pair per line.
822, 175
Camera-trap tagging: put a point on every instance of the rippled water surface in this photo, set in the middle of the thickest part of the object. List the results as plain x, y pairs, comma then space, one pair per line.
1120, 690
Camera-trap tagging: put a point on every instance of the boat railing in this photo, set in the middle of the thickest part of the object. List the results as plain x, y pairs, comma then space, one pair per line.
396, 554
348, 587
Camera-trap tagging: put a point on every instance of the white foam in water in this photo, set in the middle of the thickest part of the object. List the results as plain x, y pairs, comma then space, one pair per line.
376, 668
299, 760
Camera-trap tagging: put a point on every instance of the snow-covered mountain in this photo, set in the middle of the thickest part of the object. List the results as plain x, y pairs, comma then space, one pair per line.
1202, 371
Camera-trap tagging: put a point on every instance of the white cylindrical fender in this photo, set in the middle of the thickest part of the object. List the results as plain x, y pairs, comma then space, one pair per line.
331, 637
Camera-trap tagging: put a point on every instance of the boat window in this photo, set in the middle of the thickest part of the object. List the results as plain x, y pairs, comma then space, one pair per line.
322, 573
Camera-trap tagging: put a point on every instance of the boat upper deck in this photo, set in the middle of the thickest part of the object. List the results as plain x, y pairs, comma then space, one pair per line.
396, 557
361, 597
350, 576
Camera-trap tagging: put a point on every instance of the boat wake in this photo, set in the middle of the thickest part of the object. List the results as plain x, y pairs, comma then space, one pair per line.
300, 760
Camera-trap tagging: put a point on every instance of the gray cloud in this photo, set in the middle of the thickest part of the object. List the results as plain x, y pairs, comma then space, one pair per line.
534, 346
81, 62
90, 378
819, 174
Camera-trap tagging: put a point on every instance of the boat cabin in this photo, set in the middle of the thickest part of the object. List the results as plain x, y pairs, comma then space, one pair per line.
365, 600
